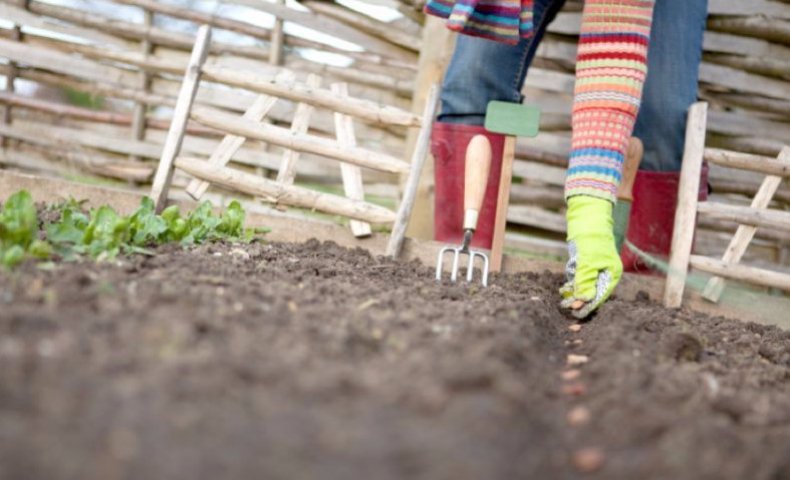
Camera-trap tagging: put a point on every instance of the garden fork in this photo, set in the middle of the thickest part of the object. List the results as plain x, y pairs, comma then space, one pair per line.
478, 166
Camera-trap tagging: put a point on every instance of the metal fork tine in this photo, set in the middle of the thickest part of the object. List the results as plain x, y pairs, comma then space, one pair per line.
470, 267
440, 264
485, 270
456, 259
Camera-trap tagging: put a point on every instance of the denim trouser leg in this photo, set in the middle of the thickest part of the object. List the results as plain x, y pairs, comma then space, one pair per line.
483, 70
671, 86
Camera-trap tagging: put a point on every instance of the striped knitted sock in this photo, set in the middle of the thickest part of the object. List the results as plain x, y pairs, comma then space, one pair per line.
610, 70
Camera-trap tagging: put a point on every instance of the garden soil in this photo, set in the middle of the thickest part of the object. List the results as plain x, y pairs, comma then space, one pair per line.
297, 361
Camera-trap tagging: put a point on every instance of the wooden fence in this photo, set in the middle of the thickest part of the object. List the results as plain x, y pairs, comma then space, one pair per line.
134, 63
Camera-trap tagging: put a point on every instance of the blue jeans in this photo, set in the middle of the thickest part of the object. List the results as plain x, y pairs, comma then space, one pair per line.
482, 70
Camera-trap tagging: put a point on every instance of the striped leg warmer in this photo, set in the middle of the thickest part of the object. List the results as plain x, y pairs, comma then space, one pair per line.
610, 71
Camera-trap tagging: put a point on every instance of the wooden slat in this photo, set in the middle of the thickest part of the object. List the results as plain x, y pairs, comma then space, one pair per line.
756, 217
363, 109
534, 216
175, 136
299, 126
351, 174
685, 218
757, 276
779, 167
304, 143
284, 194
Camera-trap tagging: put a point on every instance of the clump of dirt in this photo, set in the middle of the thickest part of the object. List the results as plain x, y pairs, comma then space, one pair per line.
311, 360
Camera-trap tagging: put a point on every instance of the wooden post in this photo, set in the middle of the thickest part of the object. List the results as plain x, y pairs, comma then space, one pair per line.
140, 108
417, 163
278, 40
351, 174
175, 136
503, 202
10, 79
688, 197
437, 41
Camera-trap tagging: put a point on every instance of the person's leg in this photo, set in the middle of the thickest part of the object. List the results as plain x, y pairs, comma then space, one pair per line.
483, 70
480, 71
671, 88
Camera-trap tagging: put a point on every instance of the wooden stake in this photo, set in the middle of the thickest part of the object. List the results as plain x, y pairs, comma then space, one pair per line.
412, 182
503, 201
175, 136
351, 174
688, 195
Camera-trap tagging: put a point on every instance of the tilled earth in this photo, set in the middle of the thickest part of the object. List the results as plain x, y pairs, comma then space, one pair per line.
283, 361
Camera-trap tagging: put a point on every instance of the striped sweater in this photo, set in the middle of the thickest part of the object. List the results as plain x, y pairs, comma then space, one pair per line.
501, 20
611, 68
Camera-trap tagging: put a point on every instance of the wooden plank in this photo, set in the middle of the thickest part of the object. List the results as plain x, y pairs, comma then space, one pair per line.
535, 216
230, 144
503, 201
760, 25
686, 215
779, 167
722, 76
285, 194
764, 7
304, 143
738, 124
548, 174
351, 174
743, 237
734, 271
299, 126
419, 156
738, 45
175, 136
756, 217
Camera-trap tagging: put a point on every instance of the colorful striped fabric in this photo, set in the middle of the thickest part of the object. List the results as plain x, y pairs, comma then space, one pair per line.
502, 20
611, 67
